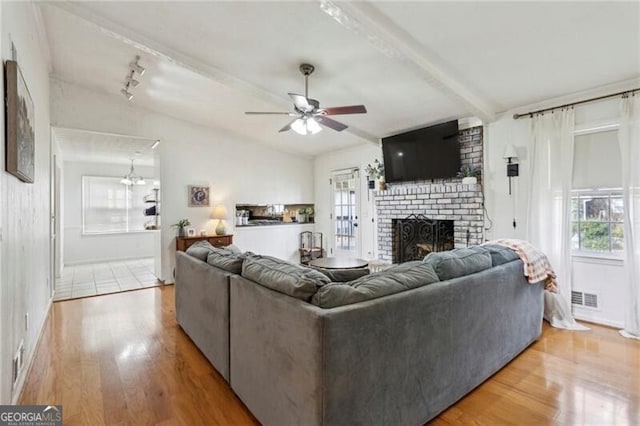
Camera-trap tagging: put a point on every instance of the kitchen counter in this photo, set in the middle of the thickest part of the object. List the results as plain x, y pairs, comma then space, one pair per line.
269, 222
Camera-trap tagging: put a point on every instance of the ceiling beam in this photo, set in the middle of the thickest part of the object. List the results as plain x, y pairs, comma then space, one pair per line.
365, 20
160, 50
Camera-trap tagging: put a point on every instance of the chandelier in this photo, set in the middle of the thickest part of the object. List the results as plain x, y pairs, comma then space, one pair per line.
132, 178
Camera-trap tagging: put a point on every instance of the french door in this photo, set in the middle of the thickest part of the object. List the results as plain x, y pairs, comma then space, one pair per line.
346, 211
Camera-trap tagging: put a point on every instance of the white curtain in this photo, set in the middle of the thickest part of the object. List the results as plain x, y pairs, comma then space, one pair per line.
549, 211
629, 140
549, 208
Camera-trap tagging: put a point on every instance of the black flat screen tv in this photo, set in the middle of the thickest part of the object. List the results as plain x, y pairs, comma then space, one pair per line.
429, 153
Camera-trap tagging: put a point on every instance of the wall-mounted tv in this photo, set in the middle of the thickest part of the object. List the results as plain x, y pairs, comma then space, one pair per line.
429, 153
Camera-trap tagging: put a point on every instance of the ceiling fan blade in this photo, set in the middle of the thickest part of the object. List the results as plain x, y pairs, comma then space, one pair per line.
288, 126
301, 102
333, 124
351, 109
269, 113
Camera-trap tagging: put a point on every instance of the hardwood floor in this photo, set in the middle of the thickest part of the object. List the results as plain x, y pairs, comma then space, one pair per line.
122, 359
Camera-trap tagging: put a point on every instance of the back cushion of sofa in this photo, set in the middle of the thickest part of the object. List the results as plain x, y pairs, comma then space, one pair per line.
500, 254
342, 275
393, 280
225, 259
282, 276
200, 250
459, 262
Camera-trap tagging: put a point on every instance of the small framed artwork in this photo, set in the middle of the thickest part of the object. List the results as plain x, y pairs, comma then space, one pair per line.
191, 232
198, 196
20, 113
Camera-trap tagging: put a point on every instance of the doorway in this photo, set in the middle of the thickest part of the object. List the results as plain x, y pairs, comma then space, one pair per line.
345, 214
106, 213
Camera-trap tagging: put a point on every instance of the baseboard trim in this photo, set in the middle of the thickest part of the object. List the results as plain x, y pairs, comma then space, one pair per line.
599, 321
16, 395
118, 259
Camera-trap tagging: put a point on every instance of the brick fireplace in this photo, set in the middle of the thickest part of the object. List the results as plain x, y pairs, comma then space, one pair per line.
444, 200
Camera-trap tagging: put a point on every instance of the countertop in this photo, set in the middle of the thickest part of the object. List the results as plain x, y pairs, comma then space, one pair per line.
270, 222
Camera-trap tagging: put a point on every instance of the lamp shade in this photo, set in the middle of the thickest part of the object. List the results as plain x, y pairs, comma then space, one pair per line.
510, 152
219, 212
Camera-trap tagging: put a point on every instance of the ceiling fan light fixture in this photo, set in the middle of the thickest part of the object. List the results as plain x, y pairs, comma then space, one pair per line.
306, 126
299, 127
313, 126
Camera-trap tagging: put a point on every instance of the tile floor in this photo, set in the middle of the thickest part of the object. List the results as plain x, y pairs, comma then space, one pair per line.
102, 278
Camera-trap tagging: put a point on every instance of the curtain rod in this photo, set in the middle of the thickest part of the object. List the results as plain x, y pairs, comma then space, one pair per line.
530, 114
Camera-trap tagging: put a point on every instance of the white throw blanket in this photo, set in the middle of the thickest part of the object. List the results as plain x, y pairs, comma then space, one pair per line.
537, 268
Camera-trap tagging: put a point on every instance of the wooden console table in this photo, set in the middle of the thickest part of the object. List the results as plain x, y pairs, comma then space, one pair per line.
183, 243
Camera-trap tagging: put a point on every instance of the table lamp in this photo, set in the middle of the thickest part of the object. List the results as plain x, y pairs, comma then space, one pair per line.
220, 212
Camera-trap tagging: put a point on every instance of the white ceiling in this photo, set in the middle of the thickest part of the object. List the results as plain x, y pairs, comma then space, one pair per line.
96, 147
411, 63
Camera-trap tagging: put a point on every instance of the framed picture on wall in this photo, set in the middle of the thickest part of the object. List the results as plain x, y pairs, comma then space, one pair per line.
198, 196
20, 114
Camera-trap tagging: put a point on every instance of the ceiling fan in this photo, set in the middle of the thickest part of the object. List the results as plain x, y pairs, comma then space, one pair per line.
308, 113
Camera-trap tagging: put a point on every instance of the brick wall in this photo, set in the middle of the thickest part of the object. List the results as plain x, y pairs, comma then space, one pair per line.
438, 199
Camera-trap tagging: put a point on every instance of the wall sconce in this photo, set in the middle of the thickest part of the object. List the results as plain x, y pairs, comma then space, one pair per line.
510, 154
220, 212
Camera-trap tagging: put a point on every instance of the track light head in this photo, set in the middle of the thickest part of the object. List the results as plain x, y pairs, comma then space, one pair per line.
127, 94
136, 67
132, 81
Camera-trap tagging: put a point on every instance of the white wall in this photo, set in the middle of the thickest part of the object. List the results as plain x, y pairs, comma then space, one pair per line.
281, 241
237, 169
25, 280
604, 277
348, 158
80, 248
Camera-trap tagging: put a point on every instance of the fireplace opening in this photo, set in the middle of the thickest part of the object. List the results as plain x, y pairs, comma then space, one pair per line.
416, 236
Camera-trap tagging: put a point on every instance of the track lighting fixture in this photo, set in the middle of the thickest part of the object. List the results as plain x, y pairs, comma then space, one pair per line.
130, 82
135, 66
126, 93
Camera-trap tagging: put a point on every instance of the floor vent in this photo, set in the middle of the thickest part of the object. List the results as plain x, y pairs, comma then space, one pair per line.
587, 300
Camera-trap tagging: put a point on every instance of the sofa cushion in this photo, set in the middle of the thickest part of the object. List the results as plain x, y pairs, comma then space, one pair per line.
225, 259
282, 276
200, 250
500, 254
393, 280
342, 275
459, 262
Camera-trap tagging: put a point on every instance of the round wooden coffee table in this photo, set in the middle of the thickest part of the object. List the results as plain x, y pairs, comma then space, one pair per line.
339, 263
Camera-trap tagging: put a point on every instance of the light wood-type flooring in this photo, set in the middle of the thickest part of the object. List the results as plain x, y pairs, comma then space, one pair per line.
122, 359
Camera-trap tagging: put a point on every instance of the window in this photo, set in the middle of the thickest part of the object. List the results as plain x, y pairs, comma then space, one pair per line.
597, 222
109, 206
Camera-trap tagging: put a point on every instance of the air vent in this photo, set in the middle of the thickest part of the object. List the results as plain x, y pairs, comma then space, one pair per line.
587, 300
577, 298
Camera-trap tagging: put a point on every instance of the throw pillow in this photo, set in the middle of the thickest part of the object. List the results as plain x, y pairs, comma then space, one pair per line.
200, 250
500, 254
342, 275
226, 259
282, 276
396, 279
459, 262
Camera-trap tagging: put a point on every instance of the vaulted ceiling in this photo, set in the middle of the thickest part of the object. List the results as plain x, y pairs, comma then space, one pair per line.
411, 63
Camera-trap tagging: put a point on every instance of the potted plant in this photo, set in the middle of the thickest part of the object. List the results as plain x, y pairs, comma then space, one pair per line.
376, 171
182, 223
469, 175
309, 211
301, 215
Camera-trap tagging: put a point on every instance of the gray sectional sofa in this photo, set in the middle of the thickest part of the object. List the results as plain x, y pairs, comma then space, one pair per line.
395, 347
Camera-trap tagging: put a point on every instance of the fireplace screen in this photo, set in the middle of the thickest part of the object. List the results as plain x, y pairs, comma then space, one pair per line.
416, 236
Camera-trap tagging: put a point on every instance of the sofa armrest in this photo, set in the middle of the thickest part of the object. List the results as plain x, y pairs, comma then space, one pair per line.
202, 308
